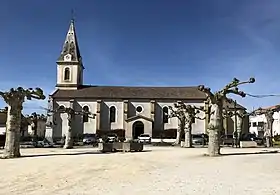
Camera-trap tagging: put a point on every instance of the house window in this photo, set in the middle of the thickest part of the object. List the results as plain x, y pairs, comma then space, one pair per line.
112, 114
67, 74
85, 113
165, 114
260, 124
254, 124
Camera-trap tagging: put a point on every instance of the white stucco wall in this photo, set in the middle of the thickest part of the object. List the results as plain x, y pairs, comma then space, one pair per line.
146, 107
261, 118
75, 72
80, 127
172, 122
60, 120
2, 129
119, 114
90, 127
198, 126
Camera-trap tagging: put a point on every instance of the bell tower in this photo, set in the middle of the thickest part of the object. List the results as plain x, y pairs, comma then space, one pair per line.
69, 64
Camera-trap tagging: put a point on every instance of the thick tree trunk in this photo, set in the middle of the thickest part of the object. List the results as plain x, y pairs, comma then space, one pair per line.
268, 141
34, 135
178, 136
68, 140
214, 142
238, 138
214, 129
188, 138
12, 144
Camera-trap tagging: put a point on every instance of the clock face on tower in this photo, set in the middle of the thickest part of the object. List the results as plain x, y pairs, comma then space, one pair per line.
67, 57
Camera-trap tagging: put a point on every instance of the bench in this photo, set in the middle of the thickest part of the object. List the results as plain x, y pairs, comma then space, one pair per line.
248, 144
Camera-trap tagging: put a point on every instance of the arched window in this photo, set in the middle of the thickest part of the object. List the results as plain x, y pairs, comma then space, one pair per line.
85, 113
112, 114
67, 74
165, 114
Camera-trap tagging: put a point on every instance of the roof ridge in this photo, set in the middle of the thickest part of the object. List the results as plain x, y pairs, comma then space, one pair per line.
143, 86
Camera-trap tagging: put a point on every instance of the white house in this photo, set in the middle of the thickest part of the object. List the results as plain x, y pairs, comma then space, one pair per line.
135, 110
3, 118
257, 123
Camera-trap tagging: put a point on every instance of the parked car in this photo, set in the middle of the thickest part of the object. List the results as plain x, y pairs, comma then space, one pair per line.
145, 138
112, 138
260, 141
227, 140
253, 137
89, 139
199, 139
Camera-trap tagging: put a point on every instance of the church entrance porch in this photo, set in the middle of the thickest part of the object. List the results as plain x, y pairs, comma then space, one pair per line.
137, 129
137, 125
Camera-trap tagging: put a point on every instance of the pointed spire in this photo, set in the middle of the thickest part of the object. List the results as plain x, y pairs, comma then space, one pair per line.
70, 45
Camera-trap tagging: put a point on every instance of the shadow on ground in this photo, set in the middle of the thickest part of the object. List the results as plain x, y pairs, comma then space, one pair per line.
250, 153
245, 153
75, 154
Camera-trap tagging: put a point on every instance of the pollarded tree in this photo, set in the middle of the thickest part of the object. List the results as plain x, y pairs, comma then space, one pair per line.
191, 114
33, 120
178, 112
268, 113
15, 99
71, 113
240, 116
186, 115
216, 101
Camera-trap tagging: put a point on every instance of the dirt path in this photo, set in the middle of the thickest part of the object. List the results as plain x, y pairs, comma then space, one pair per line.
164, 170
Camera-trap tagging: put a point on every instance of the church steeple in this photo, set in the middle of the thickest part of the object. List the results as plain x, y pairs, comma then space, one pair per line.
69, 64
71, 46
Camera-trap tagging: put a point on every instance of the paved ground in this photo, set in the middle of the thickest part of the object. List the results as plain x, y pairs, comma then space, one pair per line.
159, 170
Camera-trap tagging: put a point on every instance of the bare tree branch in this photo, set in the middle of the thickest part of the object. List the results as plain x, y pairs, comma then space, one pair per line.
207, 91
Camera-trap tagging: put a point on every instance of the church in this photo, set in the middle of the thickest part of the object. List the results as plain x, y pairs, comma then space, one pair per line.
133, 110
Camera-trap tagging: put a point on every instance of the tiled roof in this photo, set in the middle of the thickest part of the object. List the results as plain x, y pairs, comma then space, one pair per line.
176, 93
272, 107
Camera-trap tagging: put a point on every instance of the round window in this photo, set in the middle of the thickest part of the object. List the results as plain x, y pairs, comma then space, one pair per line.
139, 108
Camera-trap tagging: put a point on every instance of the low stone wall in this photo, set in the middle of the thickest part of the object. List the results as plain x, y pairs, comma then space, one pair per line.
248, 144
120, 146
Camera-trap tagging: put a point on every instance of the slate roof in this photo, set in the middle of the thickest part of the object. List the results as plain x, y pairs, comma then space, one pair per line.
231, 106
121, 92
70, 45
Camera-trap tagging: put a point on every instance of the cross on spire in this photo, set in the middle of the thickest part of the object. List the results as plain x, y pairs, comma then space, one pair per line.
72, 15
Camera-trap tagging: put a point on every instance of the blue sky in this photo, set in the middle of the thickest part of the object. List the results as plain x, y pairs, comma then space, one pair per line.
151, 43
